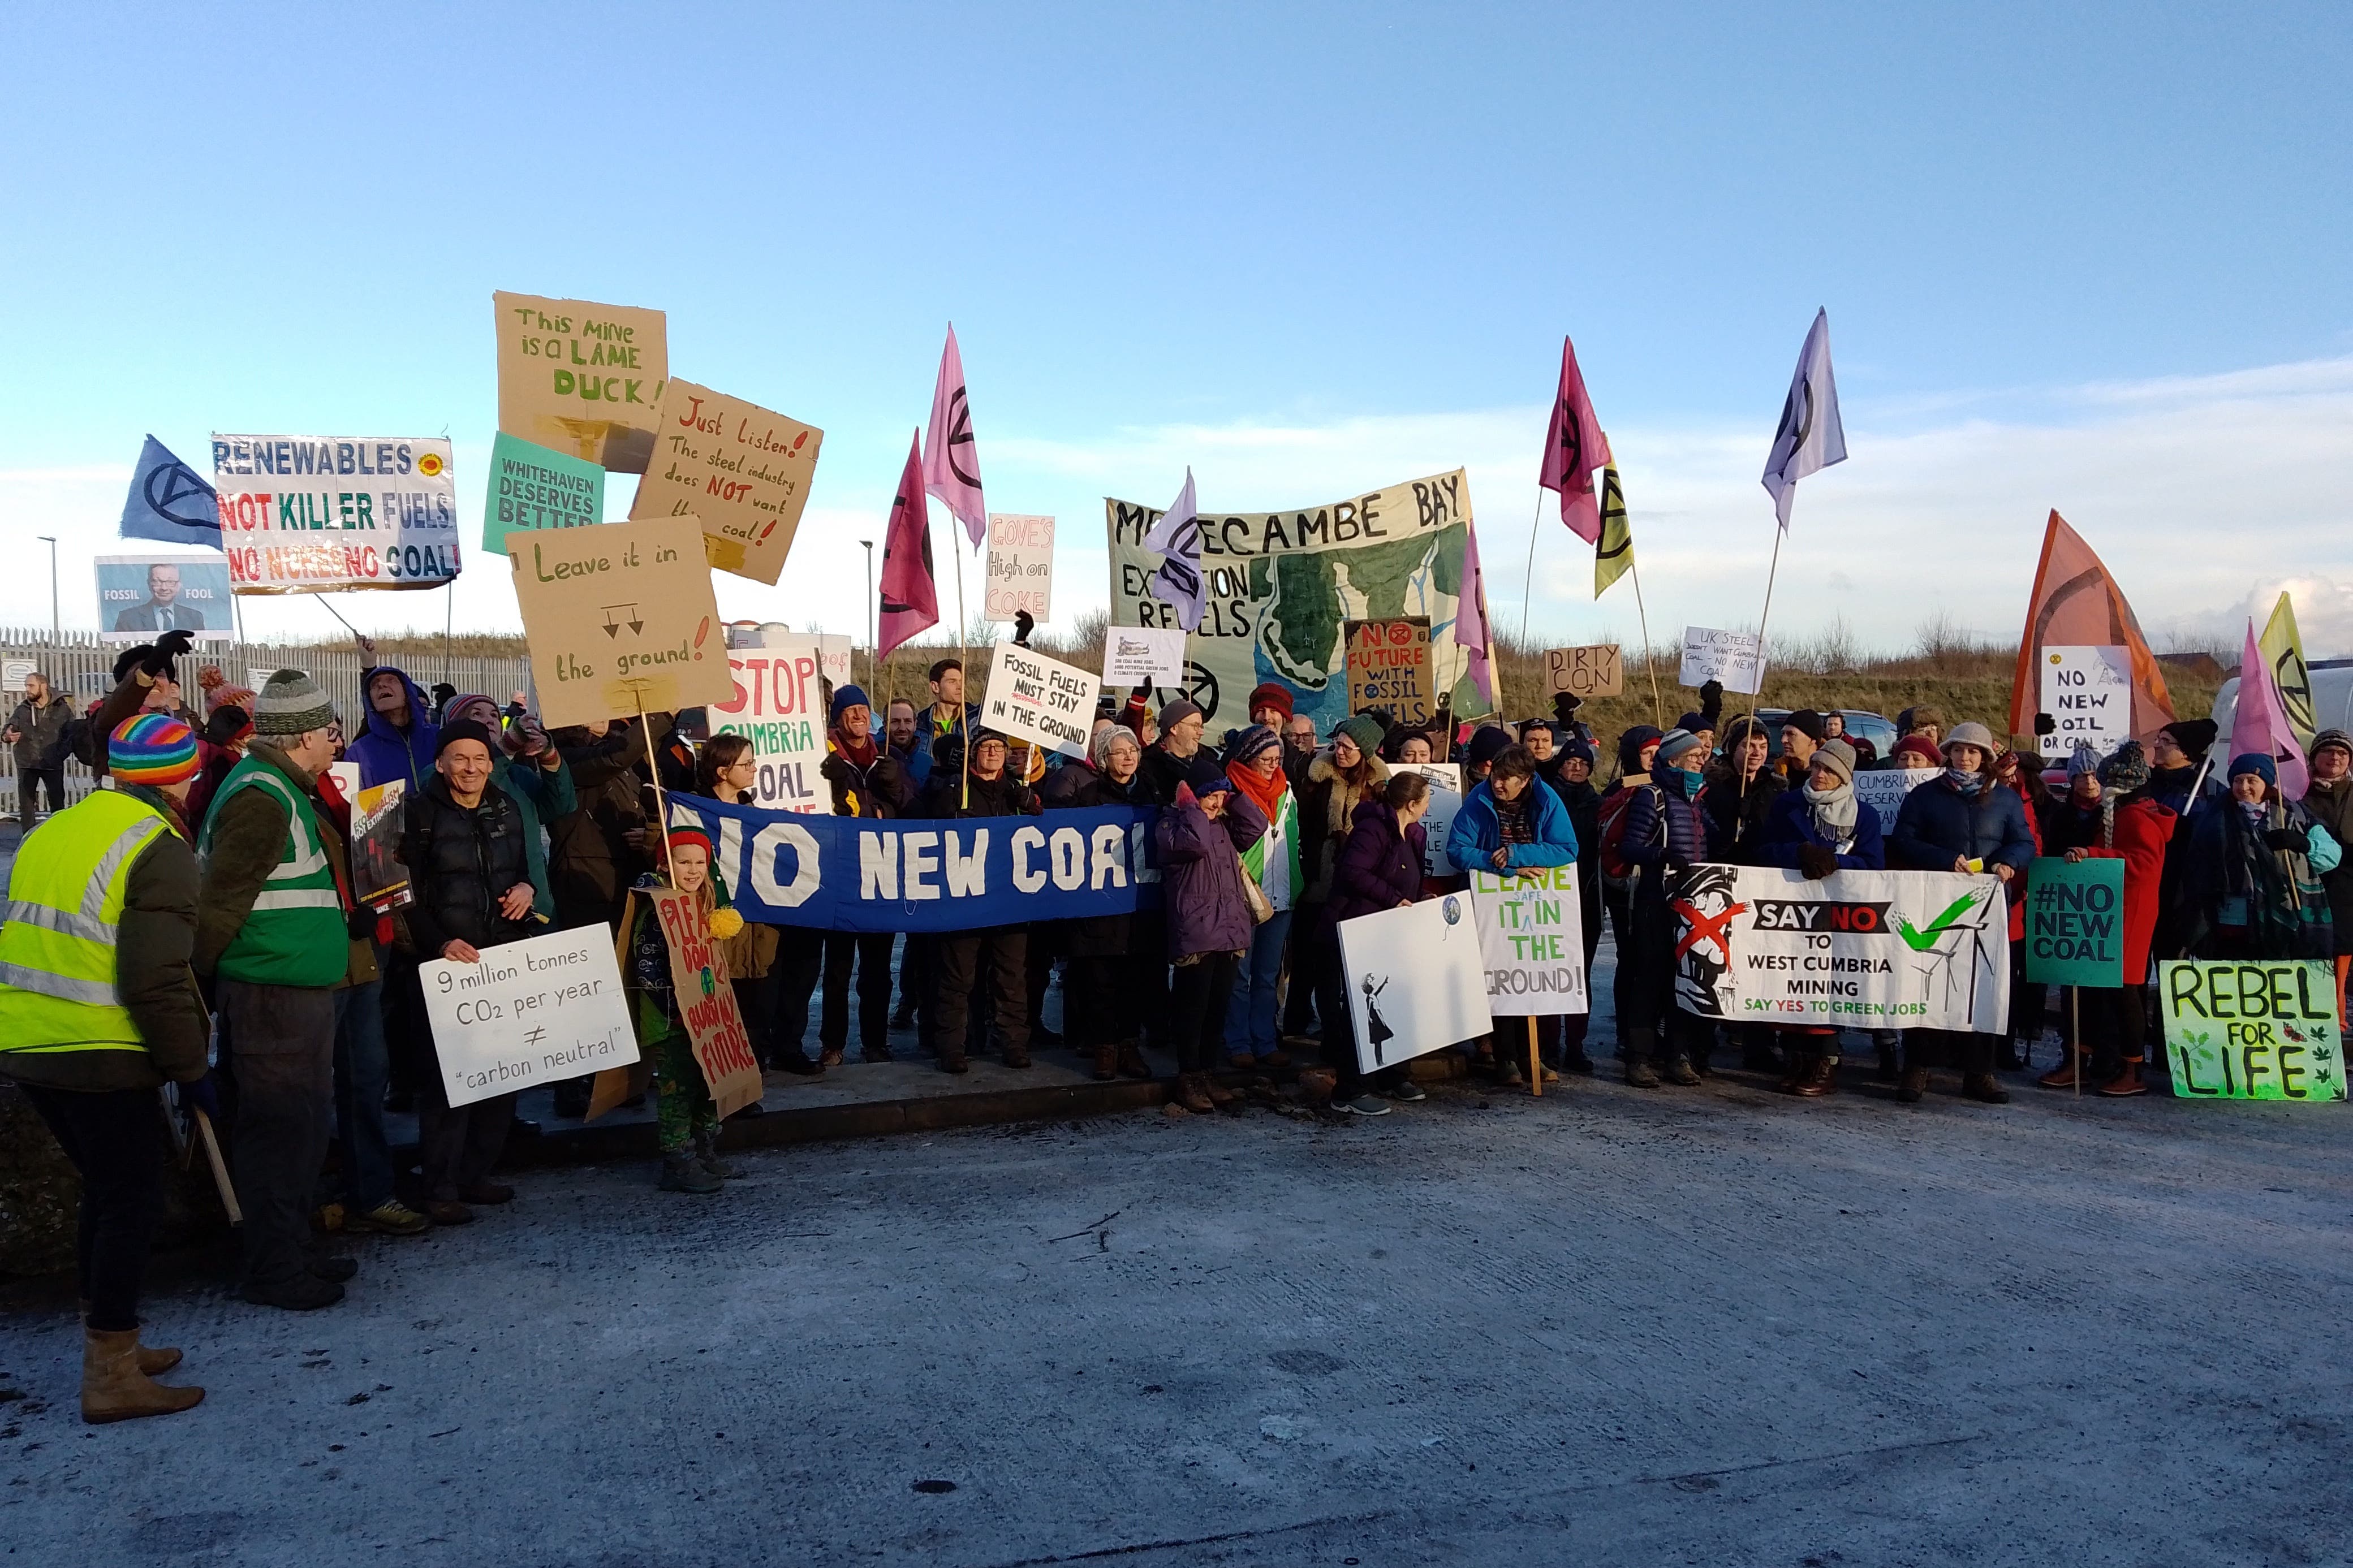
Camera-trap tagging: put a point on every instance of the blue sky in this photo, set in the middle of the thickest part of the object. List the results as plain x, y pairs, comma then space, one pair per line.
2097, 261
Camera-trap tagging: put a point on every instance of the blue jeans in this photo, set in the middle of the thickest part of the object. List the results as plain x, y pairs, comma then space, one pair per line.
361, 1068
1249, 1015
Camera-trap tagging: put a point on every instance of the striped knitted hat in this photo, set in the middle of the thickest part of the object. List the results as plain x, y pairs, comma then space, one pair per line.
291, 704
153, 749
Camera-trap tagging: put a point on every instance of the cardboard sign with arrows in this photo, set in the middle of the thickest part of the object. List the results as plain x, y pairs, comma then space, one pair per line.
620, 617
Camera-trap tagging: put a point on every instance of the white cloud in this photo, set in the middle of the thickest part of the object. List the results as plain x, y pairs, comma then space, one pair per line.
2204, 495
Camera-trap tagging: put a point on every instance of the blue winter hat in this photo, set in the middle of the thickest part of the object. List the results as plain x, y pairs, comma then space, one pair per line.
849, 696
2257, 764
1677, 742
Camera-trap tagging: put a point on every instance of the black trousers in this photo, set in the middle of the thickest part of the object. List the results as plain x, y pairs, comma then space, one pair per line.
281, 1053
1102, 1000
2114, 1026
1322, 946
1197, 994
998, 960
799, 966
29, 782
115, 1139
1965, 1050
871, 956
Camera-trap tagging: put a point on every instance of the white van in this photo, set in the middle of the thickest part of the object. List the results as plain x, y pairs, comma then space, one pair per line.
2332, 704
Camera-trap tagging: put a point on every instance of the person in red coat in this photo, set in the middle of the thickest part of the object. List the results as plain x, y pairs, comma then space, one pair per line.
2134, 829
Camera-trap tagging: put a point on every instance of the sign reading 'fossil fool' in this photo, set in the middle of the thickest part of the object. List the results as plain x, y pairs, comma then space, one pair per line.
743, 471
620, 619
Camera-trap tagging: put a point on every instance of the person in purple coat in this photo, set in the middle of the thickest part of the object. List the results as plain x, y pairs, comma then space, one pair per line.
1378, 868
1209, 923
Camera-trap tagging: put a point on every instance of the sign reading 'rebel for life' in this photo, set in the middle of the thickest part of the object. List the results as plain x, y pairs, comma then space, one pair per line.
2087, 691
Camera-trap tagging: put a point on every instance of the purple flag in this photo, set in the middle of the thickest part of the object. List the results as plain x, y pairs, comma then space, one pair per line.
1471, 617
910, 600
1574, 449
951, 460
1178, 537
2259, 723
1810, 437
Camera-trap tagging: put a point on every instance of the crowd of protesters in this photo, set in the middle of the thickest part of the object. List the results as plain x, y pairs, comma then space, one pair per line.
197, 921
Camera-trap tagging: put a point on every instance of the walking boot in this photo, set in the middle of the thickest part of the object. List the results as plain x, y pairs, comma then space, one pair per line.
1220, 1095
683, 1173
153, 1359
1821, 1078
1576, 1061
2063, 1075
306, 1292
1888, 1071
1985, 1088
955, 1063
1132, 1063
706, 1154
1793, 1073
1680, 1070
1507, 1070
1106, 1063
2125, 1082
1913, 1084
114, 1388
1635, 1051
1017, 1056
1193, 1094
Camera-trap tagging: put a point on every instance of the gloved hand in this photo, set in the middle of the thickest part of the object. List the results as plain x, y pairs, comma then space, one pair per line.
1024, 622
203, 1095
168, 646
2293, 839
2045, 725
529, 737
1816, 861
443, 695
1711, 695
1565, 705
1142, 692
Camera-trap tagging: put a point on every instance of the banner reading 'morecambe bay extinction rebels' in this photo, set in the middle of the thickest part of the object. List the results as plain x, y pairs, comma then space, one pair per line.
312, 514
1283, 586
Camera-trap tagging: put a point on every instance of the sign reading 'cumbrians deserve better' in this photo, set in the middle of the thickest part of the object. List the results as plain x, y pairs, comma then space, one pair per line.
316, 514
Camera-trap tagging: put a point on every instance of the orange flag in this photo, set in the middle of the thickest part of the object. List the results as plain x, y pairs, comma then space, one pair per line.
2076, 601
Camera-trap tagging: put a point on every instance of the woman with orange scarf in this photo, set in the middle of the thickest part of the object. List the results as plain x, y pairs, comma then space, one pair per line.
1266, 814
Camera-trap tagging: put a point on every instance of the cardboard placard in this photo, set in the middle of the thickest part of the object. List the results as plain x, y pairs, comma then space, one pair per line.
1596, 670
532, 487
706, 1001
2253, 1030
1020, 567
2076, 922
2087, 689
140, 597
379, 880
778, 705
1884, 789
322, 514
1735, 659
739, 469
1132, 655
1416, 981
1033, 698
1445, 781
1531, 940
620, 619
531, 1012
581, 378
1389, 666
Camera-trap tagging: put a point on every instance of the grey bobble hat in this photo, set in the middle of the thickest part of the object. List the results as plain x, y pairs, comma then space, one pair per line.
291, 704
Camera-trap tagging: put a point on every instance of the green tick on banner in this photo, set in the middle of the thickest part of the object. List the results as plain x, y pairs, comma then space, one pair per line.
2075, 923
2252, 1030
532, 487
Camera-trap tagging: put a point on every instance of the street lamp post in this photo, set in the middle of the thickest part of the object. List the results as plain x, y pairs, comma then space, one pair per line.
57, 626
873, 662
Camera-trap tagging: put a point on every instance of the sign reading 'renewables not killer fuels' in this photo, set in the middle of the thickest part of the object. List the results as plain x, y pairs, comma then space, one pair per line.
620, 619
315, 514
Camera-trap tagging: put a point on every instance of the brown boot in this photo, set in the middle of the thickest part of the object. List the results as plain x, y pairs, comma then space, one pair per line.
1193, 1093
2127, 1082
153, 1359
1220, 1095
1106, 1063
1819, 1077
114, 1389
2063, 1075
1132, 1063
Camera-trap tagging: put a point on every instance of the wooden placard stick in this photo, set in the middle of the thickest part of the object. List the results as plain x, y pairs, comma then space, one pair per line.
1535, 1061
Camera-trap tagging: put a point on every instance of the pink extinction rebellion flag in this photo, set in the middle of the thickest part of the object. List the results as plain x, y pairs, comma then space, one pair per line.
2259, 723
1574, 450
1471, 617
910, 600
951, 460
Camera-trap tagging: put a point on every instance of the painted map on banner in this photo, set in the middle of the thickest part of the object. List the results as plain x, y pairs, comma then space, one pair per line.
913, 874
320, 514
1877, 950
1283, 586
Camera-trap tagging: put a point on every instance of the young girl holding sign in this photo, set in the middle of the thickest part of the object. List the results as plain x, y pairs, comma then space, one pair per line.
688, 1117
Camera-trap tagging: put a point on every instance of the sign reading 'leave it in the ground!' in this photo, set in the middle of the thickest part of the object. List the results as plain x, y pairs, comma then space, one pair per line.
741, 469
621, 619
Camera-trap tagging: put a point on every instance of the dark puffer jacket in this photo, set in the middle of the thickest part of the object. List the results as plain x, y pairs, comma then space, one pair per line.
1379, 868
590, 863
1201, 882
462, 862
1736, 813
1940, 825
1076, 786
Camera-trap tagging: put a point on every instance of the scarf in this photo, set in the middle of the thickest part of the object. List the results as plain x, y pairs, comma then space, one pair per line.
1265, 793
1514, 821
1683, 782
1834, 813
1965, 781
860, 752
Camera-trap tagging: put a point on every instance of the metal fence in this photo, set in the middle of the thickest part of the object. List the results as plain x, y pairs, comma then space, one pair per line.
82, 668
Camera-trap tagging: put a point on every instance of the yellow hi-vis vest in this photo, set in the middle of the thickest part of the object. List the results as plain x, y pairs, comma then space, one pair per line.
56, 953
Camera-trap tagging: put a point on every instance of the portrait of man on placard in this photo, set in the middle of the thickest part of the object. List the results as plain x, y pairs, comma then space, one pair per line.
140, 600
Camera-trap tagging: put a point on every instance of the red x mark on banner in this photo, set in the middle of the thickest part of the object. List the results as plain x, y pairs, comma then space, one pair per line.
1707, 928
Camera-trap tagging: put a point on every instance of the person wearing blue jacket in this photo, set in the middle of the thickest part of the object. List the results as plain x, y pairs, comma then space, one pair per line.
1508, 823
1665, 833
1945, 825
399, 739
1820, 829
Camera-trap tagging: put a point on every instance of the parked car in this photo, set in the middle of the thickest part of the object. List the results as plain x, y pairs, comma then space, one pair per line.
2332, 704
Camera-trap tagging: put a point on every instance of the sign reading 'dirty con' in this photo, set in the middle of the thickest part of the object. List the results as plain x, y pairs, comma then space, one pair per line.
743, 471
620, 619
